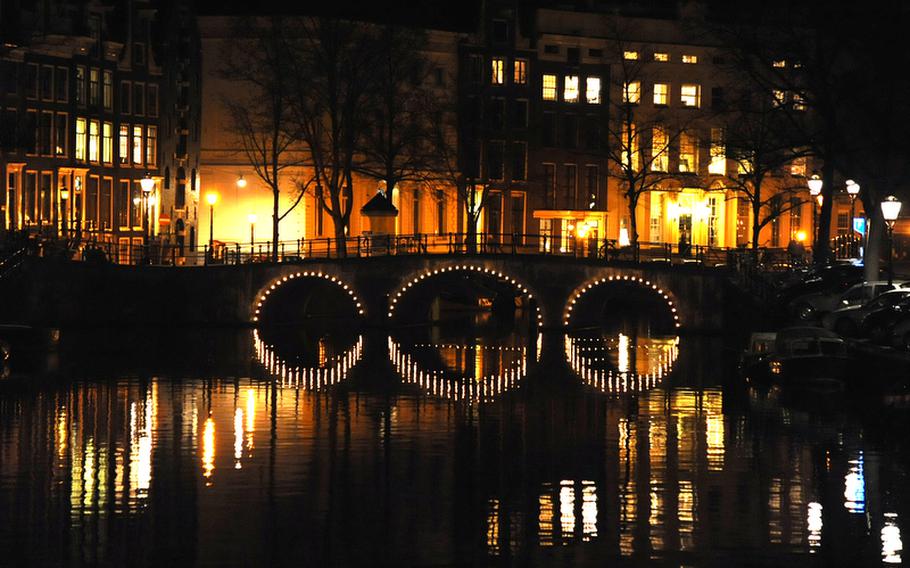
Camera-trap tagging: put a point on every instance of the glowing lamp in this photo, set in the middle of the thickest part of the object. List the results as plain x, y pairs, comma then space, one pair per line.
147, 184
137, 200
64, 194
241, 183
800, 236
815, 184
820, 198
852, 188
251, 218
891, 208
211, 198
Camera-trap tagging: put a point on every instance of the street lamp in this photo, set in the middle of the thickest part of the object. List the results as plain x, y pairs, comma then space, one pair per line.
241, 183
815, 184
252, 219
211, 198
852, 191
147, 184
64, 197
891, 208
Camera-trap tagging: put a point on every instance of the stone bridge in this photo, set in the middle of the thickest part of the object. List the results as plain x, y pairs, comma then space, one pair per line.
76, 293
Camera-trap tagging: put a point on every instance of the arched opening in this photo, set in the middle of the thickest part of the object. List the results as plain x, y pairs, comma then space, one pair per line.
305, 296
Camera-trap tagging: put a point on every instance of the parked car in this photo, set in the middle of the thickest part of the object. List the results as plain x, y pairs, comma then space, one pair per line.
819, 279
815, 306
846, 320
900, 334
878, 324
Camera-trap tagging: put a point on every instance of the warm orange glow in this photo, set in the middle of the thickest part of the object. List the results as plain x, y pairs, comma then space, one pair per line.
801, 236
211, 197
208, 449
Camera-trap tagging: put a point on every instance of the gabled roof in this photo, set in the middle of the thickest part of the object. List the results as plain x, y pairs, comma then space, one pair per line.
379, 205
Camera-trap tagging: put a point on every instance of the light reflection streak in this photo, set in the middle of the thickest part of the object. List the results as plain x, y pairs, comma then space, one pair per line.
567, 509
493, 527
545, 518
640, 365
855, 486
238, 437
814, 525
588, 510
481, 388
891, 540
330, 372
208, 450
250, 420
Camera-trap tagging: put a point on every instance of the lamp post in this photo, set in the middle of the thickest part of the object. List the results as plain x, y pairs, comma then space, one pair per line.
211, 198
852, 191
815, 184
64, 198
891, 208
252, 219
147, 184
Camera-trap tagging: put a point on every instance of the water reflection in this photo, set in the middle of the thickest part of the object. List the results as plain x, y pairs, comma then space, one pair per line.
855, 486
621, 363
891, 540
474, 373
331, 366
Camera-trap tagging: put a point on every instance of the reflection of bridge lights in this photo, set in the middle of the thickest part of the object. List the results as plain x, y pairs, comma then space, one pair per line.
396, 297
579, 292
855, 486
208, 450
585, 356
814, 525
565, 494
472, 389
278, 282
332, 372
891, 540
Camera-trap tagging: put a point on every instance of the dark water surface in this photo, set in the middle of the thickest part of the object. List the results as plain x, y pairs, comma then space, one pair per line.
436, 447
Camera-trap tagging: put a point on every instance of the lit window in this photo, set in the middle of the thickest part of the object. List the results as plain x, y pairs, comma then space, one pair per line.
799, 103
629, 143
549, 87
690, 59
631, 92
137, 144
107, 143
123, 147
570, 90
690, 95
94, 140
661, 56
592, 90
497, 68
718, 163
688, 152
151, 145
780, 97
659, 146
521, 72
798, 167
661, 94
80, 139
780, 63
630, 55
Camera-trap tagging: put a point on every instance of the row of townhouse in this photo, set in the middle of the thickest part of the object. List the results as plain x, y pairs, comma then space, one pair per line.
96, 97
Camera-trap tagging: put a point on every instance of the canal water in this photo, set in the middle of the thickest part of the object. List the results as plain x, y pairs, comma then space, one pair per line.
468, 443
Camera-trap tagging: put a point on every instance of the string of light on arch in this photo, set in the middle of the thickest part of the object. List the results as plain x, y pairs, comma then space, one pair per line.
631, 279
472, 390
278, 282
586, 356
461, 268
331, 373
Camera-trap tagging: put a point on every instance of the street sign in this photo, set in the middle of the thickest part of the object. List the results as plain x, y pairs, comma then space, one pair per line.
859, 225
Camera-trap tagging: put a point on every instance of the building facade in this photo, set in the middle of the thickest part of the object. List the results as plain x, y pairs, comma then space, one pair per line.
86, 115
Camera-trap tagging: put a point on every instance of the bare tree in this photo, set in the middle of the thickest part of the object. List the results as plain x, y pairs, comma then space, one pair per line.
257, 61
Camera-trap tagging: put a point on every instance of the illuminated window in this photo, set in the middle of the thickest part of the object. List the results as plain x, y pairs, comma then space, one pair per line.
690, 95
630, 157
570, 90
661, 94
592, 90
123, 146
659, 146
630, 55
80, 139
631, 92
137, 144
688, 152
799, 103
718, 164
661, 56
107, 143
798, 167
94, 140
520, 72
780, 63
690, 59
780, 97
497, 70
151, 145
549, 87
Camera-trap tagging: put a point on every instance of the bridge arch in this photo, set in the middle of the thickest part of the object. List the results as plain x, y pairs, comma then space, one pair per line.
663, 295
414, 279
273, 285
310, 378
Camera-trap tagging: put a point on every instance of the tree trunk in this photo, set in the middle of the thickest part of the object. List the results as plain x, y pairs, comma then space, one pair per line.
471, 240
756, 226
275, 201
633, 224
341, 240
875, 243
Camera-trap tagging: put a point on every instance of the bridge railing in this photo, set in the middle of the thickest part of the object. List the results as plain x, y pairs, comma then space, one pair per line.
364, 246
